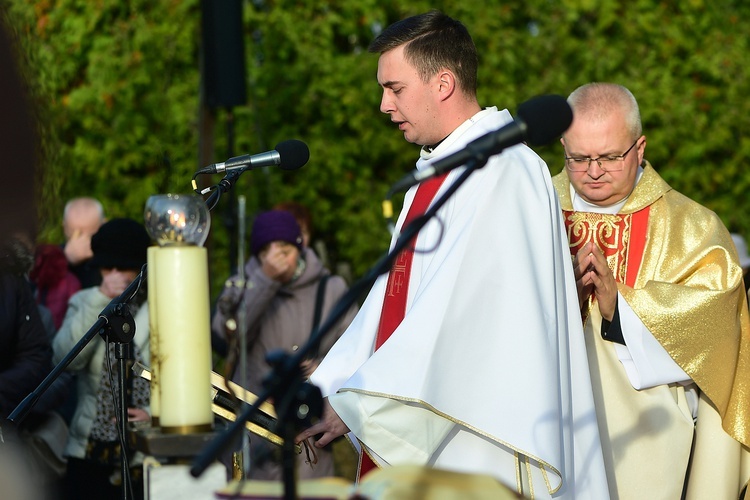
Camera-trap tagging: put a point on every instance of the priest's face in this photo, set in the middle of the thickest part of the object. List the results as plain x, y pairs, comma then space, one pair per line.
607, 139
411, 103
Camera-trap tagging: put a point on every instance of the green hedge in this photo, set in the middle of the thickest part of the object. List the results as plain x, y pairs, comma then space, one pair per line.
117, 87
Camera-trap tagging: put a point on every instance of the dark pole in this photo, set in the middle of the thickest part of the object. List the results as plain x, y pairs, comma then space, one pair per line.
230, 209
223, 85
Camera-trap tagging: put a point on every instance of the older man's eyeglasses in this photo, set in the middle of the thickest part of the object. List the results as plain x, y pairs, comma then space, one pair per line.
606, 163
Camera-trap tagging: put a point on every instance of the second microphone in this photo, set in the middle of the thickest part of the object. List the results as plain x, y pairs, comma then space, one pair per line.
288, 155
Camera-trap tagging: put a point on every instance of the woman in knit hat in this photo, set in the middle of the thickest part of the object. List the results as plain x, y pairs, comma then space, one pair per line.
284, 286
93, 448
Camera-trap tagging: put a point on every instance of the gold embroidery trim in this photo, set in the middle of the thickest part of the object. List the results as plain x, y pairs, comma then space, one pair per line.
542, 463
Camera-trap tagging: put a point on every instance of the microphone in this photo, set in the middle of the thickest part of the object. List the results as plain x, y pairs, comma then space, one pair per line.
288, 155
540, 120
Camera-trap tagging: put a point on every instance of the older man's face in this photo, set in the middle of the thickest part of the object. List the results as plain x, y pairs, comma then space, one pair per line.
595, 138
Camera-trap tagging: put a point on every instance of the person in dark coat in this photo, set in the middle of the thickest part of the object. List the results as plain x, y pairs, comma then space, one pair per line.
25, 352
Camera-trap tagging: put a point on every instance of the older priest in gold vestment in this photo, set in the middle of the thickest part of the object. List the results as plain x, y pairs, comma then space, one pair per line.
666, 317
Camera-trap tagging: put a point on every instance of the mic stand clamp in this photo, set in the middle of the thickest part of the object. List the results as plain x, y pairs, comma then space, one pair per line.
224, 186
120, 323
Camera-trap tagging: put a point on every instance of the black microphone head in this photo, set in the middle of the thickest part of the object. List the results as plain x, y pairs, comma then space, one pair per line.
545, 117
293, 154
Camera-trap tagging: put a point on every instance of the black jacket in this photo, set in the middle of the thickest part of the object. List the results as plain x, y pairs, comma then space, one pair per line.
25, 351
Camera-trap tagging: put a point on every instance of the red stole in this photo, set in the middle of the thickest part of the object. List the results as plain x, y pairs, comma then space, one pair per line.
397, 288
620, 237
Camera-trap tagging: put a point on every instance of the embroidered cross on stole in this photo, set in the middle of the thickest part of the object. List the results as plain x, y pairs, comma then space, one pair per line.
397, 287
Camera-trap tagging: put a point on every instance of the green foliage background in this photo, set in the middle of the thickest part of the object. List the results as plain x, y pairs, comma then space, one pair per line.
117, 86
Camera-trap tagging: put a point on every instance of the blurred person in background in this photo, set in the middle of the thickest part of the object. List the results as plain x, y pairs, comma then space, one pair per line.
25, 353
93, 447
287, 293
54, 282
82, 217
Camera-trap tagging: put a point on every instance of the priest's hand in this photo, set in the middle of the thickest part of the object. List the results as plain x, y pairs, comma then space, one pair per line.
593, 275
581, 264
330, 426
308, 366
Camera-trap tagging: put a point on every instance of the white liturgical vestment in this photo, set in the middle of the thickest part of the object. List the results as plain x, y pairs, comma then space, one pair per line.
487, 373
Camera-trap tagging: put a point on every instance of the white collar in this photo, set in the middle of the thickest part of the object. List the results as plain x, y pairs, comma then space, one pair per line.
426, 154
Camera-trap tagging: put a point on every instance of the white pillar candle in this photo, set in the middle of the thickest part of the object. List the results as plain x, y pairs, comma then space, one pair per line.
153, 335
184, 339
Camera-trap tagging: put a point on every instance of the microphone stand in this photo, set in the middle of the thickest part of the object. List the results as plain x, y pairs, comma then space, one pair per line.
298, 401
123, 353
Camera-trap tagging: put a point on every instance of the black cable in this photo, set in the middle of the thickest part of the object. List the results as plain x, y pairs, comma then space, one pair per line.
118, 423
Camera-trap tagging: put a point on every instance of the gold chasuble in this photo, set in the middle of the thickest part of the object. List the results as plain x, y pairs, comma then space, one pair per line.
677, 269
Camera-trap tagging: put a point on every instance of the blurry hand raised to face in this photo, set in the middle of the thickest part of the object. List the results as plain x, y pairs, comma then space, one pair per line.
278, 260
78, 248
79, 226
